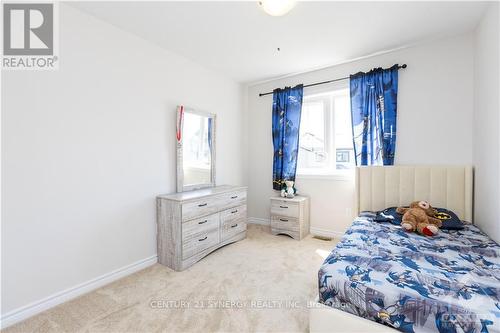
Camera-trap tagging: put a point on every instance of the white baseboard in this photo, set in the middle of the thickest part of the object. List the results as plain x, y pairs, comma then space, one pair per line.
34, 308
258, 220
326, 233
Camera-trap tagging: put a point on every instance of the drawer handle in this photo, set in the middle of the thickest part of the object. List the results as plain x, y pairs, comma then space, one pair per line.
234, 197
202, 205
201, 240
284, 220
234, 211
283, 207
234, 225
202, 222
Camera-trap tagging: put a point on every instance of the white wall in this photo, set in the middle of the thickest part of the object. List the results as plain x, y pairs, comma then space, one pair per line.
435, 110
88, 147
487, 123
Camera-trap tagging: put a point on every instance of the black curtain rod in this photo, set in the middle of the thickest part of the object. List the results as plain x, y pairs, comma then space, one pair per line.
324, 82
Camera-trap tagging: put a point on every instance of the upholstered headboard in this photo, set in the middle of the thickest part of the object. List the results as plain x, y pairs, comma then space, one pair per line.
449, 187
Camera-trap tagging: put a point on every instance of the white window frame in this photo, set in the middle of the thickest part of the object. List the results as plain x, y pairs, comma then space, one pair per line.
334, 174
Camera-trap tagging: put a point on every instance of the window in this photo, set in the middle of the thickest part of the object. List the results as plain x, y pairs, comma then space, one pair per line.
325, 134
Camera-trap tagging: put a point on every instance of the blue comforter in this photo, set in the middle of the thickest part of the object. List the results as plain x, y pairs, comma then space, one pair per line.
447, 283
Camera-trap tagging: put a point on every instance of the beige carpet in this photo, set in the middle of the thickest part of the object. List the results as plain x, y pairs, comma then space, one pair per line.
269, 280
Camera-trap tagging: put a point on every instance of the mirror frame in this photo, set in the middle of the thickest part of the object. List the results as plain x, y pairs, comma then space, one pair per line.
179, 138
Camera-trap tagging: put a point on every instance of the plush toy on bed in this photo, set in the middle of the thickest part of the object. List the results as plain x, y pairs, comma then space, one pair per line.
420, 217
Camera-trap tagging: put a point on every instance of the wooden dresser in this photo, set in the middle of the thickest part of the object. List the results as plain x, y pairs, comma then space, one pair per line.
290, 216
192, 224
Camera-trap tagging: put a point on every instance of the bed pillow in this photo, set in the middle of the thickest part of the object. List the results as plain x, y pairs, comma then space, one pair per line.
449, 219
389, 215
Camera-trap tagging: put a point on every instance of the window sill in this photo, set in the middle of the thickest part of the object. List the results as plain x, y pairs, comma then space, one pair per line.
340, 176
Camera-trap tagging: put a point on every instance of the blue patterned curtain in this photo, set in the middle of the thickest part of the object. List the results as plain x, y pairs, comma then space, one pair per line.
374, 110
287, 104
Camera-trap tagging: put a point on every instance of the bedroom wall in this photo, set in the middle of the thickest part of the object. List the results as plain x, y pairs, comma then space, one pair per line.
435, 112
87, 148
487, 123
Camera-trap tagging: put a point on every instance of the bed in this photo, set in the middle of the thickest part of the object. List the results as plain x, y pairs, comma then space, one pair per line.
448, 283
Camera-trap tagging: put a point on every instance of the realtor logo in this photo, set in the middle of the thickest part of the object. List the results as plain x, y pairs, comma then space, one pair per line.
29, 36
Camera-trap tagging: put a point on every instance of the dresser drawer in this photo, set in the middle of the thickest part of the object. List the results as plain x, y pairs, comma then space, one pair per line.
200, 225
284, 208
199, 242
235, 213
231, 199
233, 227
198, 208
285, 223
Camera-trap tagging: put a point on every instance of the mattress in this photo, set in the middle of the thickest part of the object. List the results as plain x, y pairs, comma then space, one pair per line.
446, 283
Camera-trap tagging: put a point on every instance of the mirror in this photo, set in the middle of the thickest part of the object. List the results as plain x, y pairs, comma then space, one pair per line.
195, 149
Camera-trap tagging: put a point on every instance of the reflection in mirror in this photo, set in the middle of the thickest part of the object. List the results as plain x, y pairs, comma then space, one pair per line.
196, 150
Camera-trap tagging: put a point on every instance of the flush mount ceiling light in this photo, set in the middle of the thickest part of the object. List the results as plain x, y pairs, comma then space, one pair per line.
277, 7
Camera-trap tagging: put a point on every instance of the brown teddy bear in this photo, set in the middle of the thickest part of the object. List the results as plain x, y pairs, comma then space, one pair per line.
420, 217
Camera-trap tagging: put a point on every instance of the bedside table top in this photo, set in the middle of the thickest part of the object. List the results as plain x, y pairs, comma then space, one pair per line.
297, 198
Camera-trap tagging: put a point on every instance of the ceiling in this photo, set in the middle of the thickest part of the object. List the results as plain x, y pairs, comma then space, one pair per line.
239, 40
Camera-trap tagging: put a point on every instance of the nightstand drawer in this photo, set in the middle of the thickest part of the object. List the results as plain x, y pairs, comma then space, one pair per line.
284, 208
290, 216
285, 223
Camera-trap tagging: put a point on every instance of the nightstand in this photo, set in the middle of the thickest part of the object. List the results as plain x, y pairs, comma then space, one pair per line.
290, 216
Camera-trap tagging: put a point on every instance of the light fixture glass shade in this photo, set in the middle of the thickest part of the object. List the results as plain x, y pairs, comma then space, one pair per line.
277, 7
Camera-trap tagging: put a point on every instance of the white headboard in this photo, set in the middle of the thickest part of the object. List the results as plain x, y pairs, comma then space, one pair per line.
449, 187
